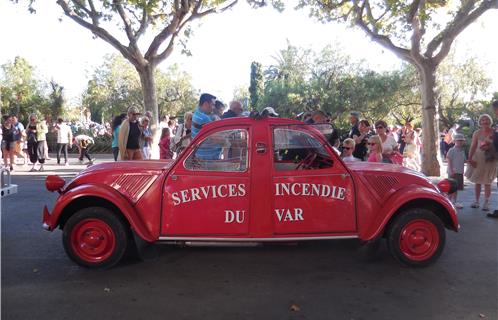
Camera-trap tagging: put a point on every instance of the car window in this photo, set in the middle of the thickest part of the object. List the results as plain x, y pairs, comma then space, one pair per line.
296, 149
223, 151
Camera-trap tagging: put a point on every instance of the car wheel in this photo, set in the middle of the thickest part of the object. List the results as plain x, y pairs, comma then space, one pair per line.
95, 238
416, 238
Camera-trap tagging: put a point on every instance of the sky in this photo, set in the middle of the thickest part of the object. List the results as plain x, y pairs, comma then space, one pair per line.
223, 46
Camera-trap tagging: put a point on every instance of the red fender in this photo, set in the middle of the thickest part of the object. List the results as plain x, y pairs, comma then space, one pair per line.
400, 198
100, 191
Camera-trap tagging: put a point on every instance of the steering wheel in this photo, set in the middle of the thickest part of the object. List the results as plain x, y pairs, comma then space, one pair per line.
307, 161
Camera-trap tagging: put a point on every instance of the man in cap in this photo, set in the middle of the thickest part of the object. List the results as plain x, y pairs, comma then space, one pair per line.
203, 113
129, 136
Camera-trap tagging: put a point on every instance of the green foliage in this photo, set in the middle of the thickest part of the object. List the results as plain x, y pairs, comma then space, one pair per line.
256, 88
462, 88
115, 86
22, 92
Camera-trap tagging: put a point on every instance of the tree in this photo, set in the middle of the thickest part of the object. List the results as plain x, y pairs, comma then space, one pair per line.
56, 98
115, 86
405, 28
171, 18
256, 88
21, 92
461, 87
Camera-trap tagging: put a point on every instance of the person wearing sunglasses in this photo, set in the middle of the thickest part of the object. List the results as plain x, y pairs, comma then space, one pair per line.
129, 136
374, 149
389, 144
347, 151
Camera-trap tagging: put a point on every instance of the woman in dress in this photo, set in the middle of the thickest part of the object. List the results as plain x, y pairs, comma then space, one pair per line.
410, 151
482, 163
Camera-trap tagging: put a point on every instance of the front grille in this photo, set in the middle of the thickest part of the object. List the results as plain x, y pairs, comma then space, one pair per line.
382, 185
133, 185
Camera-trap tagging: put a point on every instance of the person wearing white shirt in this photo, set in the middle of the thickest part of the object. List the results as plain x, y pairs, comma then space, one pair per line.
64, 138
347, 151
389, 144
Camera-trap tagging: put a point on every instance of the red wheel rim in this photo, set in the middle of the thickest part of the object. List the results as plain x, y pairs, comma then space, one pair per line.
93, 240
419, 240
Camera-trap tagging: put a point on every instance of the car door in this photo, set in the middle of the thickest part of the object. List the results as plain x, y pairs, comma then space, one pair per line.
207, 194
313, 190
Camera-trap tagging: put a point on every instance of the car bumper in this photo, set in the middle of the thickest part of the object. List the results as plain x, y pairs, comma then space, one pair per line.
47, 224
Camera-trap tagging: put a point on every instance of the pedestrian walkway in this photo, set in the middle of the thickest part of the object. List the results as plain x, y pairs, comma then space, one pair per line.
51, 166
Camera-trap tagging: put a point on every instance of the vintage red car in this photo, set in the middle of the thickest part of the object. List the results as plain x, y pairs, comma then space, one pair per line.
249, 180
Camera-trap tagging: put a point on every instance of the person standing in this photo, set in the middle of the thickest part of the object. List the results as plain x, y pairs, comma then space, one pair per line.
203, 113
41, 145
129, 136
32, 142
360, 150
347, 151
495, 145
354, 120
482, 168
456, 159
164, 144
234, 111
389, 144
219, 107
183, 134
116, 124
19, 133
146, 138
8, 142
64, 138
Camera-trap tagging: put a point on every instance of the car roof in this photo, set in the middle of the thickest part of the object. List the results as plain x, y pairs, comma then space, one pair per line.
250, 121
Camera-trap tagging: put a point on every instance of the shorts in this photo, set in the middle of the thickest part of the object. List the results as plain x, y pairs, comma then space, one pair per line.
458, 177
8, 146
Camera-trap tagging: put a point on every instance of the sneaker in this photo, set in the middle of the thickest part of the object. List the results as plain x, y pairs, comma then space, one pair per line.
458, 205
66, 164
41, 169
80, 161
493, 215
474, 205
33, 170
11, 168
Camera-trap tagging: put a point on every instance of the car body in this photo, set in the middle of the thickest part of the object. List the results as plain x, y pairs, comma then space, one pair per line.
249, 180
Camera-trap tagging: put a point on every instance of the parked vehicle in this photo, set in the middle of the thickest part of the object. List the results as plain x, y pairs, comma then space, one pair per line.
246, 180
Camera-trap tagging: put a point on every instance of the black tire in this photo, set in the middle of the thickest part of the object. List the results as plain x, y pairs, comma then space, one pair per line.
416, 237
95, 238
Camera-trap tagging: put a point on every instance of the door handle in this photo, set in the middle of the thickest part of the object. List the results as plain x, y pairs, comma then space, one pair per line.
260, 147
174, 177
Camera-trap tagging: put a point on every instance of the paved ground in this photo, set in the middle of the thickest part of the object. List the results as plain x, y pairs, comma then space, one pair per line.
310, 281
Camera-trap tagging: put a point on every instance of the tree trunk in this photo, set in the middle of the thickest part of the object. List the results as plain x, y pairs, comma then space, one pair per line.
149, 91
430, 123
150, 103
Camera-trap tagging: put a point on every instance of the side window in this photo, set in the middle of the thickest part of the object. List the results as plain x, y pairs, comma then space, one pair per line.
224, 151
298, 150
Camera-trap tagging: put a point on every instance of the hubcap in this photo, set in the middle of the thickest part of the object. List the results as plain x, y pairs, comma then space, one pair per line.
93, 240
419, 240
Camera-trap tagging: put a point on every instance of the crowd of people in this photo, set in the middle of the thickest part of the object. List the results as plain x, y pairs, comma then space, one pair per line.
134, 138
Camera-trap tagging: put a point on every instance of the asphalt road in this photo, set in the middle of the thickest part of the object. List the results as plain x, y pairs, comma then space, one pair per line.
307, 281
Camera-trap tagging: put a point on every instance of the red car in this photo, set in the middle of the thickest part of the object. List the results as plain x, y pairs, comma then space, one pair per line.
246, 180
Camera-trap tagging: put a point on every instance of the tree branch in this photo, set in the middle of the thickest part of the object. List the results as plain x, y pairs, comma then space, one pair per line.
463, 19
127, 23
95, 29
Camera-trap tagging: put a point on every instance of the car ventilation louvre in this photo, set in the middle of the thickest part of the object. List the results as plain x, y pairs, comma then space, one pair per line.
382, 185
133, 185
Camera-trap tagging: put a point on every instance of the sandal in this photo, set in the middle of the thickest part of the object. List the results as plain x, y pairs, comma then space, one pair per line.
485, 206
475, 205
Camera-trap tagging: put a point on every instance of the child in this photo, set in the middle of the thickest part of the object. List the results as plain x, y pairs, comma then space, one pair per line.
347, 150
164, 144
374, 149
456, 162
